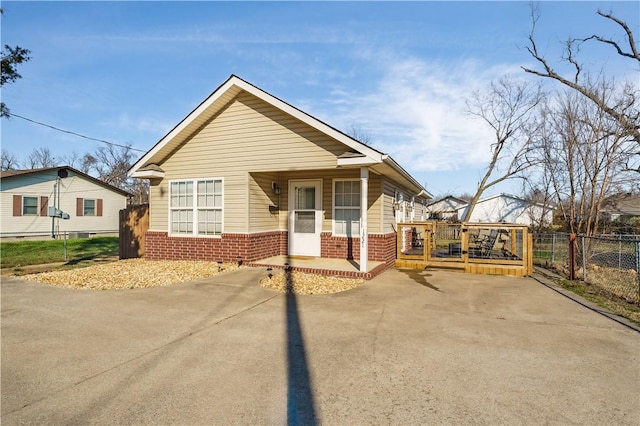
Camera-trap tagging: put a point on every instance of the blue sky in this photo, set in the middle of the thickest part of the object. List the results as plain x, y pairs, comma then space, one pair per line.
128, 72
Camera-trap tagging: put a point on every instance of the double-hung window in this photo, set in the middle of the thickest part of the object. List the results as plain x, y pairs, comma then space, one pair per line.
346, 208
29, 206
89, 207
195, 207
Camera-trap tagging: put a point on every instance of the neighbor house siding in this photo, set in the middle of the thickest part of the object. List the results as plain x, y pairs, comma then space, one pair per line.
40, 185
506, 209
247, 135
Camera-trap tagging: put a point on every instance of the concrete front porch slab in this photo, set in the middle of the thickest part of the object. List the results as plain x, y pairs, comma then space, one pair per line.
322, 266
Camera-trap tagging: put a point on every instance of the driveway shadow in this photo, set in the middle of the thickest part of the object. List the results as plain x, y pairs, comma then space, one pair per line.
300, 405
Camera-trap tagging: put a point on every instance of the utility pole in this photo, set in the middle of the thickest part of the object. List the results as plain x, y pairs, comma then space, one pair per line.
55, 206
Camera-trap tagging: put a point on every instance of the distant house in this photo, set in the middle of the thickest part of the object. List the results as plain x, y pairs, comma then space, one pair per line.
248, 175
27, 195
622, 208
445, 208
505, 208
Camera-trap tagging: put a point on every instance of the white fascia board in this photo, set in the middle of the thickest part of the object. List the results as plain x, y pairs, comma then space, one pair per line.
425, 194
357, 161
241, 84
147, 174
391, 162
183, 124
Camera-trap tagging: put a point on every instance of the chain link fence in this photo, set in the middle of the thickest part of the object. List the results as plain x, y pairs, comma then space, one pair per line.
609, 263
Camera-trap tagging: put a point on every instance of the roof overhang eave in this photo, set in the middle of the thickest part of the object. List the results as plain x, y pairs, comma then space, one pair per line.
147, 174
409, 180
363, 161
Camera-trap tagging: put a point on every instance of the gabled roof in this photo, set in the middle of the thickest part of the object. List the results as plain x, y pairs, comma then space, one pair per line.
448, 197
623, 203
358, 154
513, 197
7, 174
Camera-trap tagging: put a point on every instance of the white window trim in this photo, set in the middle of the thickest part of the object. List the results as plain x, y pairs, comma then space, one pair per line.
194, 233
37, 213
333, 206
95, 207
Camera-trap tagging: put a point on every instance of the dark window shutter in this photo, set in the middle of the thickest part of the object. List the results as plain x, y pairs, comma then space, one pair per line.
17, 205
44, 206
79, 206
99, 207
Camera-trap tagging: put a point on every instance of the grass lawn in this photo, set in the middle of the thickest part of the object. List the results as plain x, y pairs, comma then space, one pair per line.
25, 253
611, 303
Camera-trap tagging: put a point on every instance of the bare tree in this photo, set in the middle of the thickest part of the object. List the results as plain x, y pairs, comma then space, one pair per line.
110, 164
508, 108
582, 150
623, 108
539, 195
40, 157
360, 134
8, 161
74, 160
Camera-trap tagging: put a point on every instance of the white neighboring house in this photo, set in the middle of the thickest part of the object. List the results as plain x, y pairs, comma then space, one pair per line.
505, 208
445, 208
26, 195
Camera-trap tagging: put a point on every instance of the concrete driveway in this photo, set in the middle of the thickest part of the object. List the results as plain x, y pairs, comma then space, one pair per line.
405, 348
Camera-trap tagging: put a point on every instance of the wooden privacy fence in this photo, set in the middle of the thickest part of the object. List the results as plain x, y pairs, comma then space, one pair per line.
480, 248
134, 222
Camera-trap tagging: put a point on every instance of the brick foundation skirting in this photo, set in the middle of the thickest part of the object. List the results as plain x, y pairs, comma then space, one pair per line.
252, 247
228, 248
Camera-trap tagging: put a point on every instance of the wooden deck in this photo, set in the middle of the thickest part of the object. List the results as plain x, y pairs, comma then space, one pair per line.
477, 248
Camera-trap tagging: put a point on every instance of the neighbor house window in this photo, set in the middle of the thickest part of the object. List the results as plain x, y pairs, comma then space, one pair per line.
346, 208
29, 206
89, 207
196, 207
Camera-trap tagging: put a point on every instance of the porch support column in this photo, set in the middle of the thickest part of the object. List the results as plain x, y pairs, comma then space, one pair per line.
364, 234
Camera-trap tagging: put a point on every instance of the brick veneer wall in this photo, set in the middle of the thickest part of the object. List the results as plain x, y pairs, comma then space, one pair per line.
160, 246
251, 247
382, 247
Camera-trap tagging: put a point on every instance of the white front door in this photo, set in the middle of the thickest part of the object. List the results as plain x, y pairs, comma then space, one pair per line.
305, 217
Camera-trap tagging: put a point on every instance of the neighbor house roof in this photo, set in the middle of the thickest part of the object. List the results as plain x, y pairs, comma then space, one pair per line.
514, 197
6, 174
624, 204
356, 153
448, 197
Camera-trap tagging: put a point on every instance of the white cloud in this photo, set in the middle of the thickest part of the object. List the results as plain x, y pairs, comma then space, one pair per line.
416, 113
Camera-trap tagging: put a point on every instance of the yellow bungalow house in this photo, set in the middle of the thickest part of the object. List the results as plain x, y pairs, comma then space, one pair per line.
247, 175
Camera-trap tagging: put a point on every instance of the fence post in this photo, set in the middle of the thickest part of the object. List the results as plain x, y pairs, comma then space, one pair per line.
584, 260
638, 265
553, 249
620, 251
572, 257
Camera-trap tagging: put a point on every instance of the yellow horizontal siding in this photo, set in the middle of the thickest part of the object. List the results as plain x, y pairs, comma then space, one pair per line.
250, 144
158, 200
248, 135
389, 219
261, 196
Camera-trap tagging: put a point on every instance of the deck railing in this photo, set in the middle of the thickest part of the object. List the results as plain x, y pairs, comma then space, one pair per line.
501, 249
